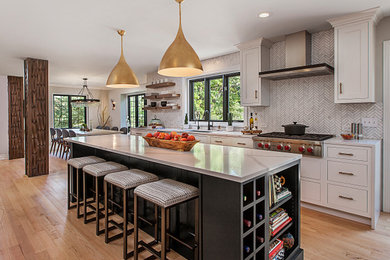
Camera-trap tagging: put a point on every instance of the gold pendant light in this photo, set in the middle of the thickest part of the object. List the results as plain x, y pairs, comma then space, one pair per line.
180, 60
122, 76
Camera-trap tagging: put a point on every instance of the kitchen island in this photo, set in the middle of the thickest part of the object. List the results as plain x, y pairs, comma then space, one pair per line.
234, 186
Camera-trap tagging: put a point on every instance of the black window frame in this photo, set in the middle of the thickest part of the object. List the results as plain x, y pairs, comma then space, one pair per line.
136, 110
70, 125
206, 80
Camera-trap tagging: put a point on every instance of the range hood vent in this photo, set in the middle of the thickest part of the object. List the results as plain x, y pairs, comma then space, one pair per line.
298, 59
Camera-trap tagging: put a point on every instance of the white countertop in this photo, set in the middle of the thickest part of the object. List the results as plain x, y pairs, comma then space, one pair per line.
231, 163
95, 132
194, 132
354, 142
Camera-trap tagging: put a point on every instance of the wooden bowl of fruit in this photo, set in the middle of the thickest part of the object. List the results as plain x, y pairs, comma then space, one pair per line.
173, 141
347, 136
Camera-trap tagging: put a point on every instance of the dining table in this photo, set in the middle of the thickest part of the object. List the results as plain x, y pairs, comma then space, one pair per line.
95, 132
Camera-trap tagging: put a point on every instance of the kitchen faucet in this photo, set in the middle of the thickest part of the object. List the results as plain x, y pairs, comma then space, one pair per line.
207, 117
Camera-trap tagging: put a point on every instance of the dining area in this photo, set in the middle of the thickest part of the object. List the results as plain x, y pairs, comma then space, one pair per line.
61, 148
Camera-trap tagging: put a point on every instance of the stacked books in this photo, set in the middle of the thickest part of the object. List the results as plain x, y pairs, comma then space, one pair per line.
278, 220
276, 249
284, 193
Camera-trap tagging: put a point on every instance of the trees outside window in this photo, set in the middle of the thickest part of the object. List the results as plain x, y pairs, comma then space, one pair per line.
136, 114
65, 115
219, 94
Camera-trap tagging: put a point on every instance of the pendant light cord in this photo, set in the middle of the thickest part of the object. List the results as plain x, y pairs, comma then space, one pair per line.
121, 45
180, 14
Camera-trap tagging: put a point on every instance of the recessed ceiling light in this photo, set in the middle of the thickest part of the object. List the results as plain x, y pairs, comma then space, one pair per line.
264, 15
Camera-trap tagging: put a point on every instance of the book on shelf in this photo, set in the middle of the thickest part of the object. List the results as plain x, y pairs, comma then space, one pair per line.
273, 233
279, 255
283, 194
274, 195
281, 222
276, 213
275, 248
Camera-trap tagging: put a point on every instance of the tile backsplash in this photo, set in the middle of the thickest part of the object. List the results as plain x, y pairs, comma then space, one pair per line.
310, 101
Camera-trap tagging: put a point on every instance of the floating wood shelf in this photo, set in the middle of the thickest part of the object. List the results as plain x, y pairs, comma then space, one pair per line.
161, 85
163, 96
162, 108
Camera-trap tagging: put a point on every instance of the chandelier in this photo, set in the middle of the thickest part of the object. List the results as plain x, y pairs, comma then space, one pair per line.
88, 100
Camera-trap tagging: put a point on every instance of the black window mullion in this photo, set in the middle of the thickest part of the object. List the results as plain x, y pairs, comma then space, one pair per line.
69, 112
207, 98
191, 100
225, 98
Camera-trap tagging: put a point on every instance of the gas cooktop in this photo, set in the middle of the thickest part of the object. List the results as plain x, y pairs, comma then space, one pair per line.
309, 137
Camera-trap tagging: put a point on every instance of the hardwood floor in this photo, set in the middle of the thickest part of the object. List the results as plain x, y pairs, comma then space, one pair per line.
35, 224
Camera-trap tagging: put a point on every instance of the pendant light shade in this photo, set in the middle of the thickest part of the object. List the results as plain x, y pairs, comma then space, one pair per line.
180, 59
122, 76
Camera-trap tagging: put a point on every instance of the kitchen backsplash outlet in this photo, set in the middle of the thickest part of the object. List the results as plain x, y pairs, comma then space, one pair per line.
310, 101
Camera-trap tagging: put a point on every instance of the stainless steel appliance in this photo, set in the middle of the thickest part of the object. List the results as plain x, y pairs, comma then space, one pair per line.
307, 144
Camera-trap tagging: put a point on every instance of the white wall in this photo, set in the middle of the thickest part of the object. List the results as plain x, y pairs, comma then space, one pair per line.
97, 93
3, 117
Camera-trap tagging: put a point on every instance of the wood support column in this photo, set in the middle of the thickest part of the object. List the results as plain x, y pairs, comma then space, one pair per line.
15, 118
37, 116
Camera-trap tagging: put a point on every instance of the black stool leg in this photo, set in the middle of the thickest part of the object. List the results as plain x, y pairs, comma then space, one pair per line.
156, 222
163, 233
196, 253
124, 224
78, 193
106, 215
168, 241
97, 205
135, 227
84, 198
69, 167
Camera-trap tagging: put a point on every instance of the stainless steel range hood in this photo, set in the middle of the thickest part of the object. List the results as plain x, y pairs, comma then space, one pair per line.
298, 60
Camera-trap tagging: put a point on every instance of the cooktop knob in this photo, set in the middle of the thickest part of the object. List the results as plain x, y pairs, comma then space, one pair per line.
260, 145
287, 147
279, 147
310, 149
267, 146
301, 149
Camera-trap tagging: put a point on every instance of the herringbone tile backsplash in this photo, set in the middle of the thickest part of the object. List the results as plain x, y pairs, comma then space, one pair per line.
310, 101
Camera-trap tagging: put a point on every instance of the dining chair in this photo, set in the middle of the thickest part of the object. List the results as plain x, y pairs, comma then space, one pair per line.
65, 144
99, 127
59, 140
123, 130
115, 128
52, 139
106, 128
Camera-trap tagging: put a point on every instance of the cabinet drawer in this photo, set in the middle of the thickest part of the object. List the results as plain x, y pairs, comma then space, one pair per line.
311, 168
221, 140
350, 173
347, 199
203, 138
357, 154
310, 191
242, 142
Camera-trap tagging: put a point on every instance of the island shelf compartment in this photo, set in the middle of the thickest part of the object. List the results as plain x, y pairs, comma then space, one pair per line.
248, 193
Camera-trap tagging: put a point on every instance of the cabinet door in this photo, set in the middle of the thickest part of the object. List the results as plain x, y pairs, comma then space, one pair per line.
250, 68
352, 64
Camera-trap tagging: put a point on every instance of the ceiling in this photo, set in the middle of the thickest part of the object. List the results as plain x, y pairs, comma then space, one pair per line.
79, 37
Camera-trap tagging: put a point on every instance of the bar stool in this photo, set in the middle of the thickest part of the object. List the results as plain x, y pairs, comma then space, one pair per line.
166, 194
78, 164
126, 181
97, 171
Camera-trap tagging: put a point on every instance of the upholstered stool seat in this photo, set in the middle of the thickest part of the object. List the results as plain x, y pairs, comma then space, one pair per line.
97, 172
102, 169
166, 194
125, 180
78, 164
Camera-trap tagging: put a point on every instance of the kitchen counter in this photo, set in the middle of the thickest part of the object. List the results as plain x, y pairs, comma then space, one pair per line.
225, 162
196, 132
361, 142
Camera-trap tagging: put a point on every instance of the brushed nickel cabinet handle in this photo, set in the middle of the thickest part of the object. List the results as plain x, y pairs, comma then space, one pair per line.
341, 88
347, 173
256, 94
346, 154
219, 142
346, 198
241, 143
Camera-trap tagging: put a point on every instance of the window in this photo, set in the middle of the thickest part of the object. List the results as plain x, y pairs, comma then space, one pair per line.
66, 116
137, 116
219, 94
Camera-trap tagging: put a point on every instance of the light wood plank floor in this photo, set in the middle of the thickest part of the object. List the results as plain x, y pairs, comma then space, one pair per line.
35, 224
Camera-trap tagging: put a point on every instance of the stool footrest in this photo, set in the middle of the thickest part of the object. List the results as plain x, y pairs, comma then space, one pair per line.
148, 246
182, 242
119, 235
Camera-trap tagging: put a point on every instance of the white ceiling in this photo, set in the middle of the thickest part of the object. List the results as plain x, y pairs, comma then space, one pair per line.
79, 37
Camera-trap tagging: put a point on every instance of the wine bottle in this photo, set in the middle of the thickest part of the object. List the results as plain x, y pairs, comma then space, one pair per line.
247, 249
247, 223
245, 198
260, 239
258, 193
259, 217
251, 123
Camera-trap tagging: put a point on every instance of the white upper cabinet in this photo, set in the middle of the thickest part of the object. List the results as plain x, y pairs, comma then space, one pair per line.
354, 46
254, 58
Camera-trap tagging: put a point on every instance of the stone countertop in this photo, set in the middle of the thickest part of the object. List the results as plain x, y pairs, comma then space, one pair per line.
353, 142
193, 132
225, 162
